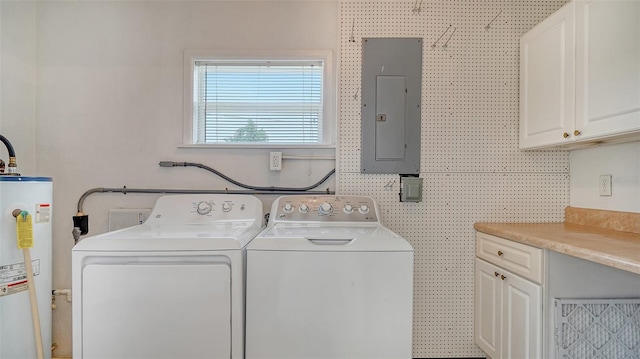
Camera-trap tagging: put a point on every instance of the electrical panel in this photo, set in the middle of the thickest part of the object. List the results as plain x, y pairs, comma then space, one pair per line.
391, 93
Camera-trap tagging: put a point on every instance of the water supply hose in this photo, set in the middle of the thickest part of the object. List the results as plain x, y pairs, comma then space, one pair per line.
12, 152
12, 169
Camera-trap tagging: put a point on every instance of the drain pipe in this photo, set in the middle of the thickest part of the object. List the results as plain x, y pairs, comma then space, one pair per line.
13, 166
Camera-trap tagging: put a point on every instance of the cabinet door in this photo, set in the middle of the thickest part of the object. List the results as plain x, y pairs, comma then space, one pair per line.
521, 317
547, 86
487, 308
607, 67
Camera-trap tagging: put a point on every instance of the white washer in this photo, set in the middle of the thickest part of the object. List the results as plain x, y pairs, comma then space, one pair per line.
326, 280
172, 287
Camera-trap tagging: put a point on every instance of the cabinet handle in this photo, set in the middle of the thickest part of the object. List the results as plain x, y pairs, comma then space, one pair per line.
576, 133
500, 253
503, 277
496, 274
565, 135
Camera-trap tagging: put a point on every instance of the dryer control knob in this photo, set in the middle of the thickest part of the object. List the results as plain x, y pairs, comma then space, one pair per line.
348, 209
325, 208
303, 208
364, 209
288, 208
204, 207
226, 207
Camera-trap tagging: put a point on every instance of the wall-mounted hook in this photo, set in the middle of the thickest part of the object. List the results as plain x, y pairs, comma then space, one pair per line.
492, 20
417, 6
355, 95
445, 31
453, 32
353, 25
390, 184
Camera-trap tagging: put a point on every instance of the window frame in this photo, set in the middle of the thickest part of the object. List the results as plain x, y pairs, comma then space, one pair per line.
329, 122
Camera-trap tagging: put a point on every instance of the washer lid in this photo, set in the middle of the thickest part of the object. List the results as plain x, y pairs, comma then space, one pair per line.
174, 237
328, 238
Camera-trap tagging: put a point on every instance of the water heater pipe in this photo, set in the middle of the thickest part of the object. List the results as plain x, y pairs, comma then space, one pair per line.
12, 152
13, 166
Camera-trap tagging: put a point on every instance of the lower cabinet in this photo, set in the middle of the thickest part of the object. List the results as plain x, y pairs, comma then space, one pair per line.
508, 311
516, 286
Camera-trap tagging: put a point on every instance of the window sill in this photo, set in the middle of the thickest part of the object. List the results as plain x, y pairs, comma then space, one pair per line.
263, 146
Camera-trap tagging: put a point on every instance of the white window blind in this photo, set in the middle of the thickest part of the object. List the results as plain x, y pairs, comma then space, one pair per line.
258, 102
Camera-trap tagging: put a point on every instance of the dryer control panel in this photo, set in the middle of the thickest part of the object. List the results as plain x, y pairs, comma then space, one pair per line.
324, 209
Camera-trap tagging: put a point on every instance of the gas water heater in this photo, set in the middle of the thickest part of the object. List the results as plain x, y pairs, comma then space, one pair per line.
33, 196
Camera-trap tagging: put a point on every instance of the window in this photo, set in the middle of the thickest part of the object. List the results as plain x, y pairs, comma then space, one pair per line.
264, 101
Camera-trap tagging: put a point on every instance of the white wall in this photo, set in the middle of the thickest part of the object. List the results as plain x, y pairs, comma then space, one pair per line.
109, 103
18, 81
621, 161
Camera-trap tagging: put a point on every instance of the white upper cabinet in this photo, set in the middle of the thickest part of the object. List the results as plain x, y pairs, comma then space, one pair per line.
547, 85
607, 67
580, 75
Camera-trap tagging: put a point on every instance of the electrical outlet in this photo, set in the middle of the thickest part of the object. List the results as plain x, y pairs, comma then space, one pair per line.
605, 185
275, 161
126, 217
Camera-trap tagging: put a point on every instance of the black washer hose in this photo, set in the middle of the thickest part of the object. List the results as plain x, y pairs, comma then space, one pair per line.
12, 152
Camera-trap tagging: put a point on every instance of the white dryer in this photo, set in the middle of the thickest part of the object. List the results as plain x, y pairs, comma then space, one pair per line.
326, 280
172, 287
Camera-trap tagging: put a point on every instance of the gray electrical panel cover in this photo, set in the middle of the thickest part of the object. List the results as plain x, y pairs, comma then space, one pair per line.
391, 92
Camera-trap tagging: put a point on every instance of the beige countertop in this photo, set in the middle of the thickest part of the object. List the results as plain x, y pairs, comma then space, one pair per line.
601, 245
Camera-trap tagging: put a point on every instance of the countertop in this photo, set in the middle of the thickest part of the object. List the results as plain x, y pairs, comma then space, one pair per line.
613, 248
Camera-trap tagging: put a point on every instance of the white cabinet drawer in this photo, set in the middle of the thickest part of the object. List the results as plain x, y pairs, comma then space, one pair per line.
518, 258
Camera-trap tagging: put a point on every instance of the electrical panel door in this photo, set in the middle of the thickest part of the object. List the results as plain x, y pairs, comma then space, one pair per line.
391, 91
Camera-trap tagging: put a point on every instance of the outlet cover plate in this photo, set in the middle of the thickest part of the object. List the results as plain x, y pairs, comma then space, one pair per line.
275, 161
126, 217
605, 185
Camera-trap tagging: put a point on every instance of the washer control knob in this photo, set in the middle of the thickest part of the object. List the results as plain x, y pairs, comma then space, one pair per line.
348, 209
288, 208
303, 208
325, 208
364, 209
203, 208
226, 207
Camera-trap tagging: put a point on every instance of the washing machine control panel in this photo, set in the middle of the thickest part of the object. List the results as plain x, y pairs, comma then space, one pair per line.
324, 209
204, 208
